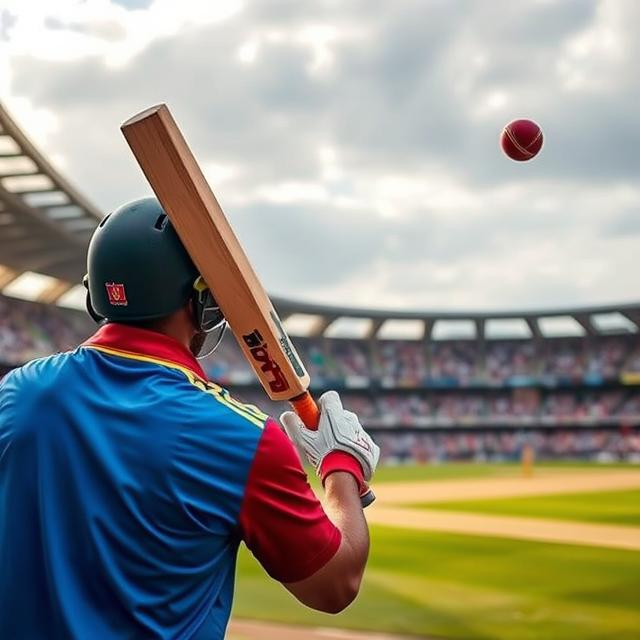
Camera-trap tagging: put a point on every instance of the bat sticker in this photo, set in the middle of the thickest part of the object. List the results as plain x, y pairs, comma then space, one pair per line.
287, 347
260, 353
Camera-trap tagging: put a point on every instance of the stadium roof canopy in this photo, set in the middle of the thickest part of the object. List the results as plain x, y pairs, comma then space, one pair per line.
45, 223
45, 226
313, 320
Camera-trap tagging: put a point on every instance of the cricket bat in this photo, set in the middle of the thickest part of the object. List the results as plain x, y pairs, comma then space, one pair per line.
179, 184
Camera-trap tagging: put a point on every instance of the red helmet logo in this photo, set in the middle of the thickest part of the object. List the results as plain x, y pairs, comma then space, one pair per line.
116, 293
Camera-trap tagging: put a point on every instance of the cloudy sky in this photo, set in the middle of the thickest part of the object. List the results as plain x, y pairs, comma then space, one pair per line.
353, 144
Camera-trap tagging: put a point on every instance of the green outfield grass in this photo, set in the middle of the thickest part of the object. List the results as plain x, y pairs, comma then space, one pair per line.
411, 473
612, 507
465, 470
464, 587
426, 472
469, 587
457, 471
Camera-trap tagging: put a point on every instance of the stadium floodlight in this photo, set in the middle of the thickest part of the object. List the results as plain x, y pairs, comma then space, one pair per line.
9, 147
349, 328
302, 324
454, 330
74, 298
46, 199
64, 212
18, 165
507, 329
560, 327
30, 183
401, 330
29, 285
613, 323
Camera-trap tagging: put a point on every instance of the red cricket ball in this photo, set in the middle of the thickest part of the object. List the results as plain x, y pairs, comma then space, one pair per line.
521, 140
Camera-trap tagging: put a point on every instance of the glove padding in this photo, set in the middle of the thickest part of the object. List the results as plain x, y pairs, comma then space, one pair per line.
338, 430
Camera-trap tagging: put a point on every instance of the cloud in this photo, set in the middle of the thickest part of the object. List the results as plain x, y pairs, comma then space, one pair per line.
7, 20
625, 224
133, 4
354, 145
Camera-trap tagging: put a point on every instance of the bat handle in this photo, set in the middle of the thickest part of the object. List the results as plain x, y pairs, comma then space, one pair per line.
307, 409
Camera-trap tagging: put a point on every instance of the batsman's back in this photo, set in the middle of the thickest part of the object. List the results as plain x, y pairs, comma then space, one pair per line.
109, 463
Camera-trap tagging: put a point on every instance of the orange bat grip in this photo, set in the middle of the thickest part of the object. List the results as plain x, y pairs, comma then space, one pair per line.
305, 406
307, 409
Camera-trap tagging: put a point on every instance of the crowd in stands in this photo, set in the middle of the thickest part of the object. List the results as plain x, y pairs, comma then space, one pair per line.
401, 363
632, 364
395, 410
498, 446
29, 330
466, 363
392, 384
454, 362
348, 359
433, 409
505, 360
228, 366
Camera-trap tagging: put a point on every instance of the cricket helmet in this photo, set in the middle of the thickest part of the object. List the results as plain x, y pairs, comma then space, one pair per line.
137, 267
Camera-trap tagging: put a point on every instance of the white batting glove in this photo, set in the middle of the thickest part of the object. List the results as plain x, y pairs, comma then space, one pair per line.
338, 430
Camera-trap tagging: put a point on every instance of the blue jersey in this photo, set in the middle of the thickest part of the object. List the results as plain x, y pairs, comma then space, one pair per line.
125, 490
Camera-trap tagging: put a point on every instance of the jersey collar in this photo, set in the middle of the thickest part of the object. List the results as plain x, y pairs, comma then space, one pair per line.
134, 341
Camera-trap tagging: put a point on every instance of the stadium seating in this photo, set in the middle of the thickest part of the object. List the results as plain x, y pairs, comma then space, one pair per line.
433, 400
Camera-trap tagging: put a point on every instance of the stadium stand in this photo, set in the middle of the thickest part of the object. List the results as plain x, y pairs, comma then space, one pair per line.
30, 330
565, 381
572, 398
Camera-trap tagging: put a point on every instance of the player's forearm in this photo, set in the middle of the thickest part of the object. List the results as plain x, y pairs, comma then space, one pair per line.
345, 457
342, 504
334, 587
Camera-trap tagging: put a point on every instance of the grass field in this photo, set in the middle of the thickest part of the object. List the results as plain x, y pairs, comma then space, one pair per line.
470, 587
612, 507
423, 473
463, 471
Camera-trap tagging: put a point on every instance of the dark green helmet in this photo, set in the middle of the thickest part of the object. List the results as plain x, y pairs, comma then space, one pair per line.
137, 267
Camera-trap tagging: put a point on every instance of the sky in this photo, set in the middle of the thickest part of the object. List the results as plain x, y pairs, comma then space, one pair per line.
354, 144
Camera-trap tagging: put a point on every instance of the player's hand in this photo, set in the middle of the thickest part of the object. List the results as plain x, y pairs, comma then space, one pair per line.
338, 430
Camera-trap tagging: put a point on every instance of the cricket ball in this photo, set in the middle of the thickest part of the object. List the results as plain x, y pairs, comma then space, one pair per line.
521, 140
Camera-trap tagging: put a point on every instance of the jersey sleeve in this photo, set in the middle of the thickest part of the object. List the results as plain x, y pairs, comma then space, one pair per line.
282, 521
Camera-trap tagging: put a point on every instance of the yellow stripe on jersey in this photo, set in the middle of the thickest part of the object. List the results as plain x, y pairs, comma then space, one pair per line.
250, 412
143, 358
249, 408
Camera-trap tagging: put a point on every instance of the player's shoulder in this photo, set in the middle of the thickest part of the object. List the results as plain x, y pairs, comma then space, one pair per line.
36, 370
228, 410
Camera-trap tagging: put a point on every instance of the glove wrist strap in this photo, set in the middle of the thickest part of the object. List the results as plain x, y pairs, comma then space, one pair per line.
341, 461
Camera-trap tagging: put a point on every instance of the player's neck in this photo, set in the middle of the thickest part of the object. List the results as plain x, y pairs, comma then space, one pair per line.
177, 326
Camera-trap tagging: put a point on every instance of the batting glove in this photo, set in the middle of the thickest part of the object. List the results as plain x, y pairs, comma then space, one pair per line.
338, 430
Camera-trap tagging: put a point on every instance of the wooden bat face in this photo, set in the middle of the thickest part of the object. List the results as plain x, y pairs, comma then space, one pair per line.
181, 188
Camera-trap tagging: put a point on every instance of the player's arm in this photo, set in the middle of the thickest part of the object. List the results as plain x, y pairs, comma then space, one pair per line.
335, 586
318, 555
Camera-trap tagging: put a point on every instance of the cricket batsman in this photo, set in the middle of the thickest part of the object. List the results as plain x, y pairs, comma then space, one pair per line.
128, 480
